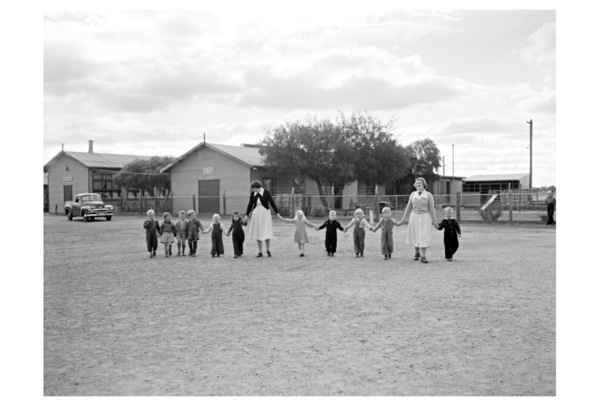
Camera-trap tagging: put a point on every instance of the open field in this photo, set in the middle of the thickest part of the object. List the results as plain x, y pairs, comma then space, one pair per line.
117, 322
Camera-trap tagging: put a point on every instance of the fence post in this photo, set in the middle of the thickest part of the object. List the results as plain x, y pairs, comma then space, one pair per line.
458, 206
193, 202
510, 208
292, 200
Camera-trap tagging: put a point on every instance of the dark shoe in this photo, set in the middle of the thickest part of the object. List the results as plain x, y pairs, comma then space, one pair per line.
259, 255
449, 259
301, 255
416, 257
423, 260
268, 253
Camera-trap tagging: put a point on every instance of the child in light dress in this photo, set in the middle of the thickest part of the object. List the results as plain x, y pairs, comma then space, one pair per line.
386, 223
167, 234
301, 236
360, 225
216, 229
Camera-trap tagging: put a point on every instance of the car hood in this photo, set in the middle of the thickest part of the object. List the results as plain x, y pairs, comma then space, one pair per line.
93, 204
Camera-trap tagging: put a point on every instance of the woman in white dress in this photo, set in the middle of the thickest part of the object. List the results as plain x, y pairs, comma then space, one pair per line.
421, 207
258, 211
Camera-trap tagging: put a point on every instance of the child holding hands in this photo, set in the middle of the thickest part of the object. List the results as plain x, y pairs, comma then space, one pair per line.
301, 236
360, 224
386, 223
332, 225
451, 232
218, 248
236, 227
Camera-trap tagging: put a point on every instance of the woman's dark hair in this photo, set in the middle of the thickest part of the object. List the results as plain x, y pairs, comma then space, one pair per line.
256, 184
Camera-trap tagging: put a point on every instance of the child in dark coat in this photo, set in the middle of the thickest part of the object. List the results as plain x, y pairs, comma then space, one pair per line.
451, 233
236, 227
152, 230
194, 226
330, 240
216, 229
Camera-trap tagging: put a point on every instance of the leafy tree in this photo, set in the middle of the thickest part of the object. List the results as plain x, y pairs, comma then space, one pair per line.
336, 153
313, 150
424, 159
144, 175
379, 159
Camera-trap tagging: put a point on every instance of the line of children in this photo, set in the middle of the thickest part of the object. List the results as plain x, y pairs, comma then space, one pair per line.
187, 228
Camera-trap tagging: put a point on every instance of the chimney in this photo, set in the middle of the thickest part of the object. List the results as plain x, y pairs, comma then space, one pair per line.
90, 149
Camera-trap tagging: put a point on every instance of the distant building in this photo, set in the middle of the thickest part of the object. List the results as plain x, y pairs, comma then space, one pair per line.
216, 178
485, 184
70, 173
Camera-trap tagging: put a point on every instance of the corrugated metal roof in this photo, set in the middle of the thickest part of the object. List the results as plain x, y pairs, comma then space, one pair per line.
247, 155
100, 160
498, 178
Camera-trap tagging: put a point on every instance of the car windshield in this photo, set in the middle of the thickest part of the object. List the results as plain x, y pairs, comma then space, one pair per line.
90, 198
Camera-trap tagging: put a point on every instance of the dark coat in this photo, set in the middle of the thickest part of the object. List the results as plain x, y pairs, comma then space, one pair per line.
265, 199
330, 241
451, 231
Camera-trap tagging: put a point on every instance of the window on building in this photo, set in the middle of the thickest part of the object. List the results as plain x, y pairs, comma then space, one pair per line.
103, 183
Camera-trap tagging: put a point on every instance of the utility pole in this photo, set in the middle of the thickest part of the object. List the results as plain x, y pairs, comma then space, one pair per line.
452, 161
529, 122
443, 165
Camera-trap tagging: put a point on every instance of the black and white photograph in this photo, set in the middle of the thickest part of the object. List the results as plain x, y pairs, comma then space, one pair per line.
323, 199
354, 204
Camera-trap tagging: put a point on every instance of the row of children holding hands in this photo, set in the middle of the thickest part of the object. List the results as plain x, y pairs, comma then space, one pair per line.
185, 231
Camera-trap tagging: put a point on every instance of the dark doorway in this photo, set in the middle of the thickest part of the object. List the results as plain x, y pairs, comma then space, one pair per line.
68, 192
209, 196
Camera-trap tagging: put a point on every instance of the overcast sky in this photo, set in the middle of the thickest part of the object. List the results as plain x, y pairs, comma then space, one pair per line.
151, 83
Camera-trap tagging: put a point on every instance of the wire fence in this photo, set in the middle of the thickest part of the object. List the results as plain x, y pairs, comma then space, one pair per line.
503, 207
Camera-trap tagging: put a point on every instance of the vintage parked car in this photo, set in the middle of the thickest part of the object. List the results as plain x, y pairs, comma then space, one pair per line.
89, 206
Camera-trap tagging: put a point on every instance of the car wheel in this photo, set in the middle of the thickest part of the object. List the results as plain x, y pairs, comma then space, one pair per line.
108, 218
70, 215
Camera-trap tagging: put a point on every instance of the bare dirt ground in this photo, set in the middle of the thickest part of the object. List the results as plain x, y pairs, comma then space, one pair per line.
119, 323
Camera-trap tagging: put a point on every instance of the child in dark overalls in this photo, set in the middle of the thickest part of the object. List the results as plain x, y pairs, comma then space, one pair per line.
193, 232
152, 228
360, 225
451, 233
216, 229
387, 224
330, 240
236, 227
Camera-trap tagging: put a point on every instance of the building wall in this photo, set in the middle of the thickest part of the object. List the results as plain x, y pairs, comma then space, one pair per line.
58, 176
207, 164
